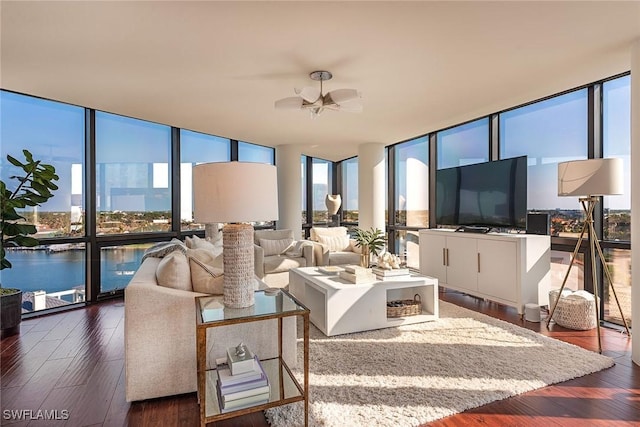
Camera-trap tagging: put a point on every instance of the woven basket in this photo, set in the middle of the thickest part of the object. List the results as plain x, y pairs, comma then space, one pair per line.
578, 313
404, 307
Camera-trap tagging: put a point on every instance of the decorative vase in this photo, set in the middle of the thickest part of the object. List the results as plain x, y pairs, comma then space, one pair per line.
365, 257
333, 202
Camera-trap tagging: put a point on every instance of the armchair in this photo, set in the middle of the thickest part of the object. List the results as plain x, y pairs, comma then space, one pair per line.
332, 246
276, 252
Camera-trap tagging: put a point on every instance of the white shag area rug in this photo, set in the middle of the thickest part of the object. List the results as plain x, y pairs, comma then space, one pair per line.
413, 374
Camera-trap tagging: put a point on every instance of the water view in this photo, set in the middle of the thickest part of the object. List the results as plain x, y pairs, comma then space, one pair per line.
59, 271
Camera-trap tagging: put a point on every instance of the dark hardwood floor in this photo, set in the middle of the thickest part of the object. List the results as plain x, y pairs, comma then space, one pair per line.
74, 361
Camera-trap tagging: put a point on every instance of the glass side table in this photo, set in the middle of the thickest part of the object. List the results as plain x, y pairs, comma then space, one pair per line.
285, 388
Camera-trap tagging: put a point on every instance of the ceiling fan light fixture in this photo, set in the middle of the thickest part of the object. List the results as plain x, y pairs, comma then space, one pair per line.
314, 100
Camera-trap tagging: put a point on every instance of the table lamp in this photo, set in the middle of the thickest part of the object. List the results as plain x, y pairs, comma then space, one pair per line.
236, 193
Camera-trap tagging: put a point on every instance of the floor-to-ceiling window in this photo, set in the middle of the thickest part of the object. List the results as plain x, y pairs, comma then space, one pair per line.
549, 132
321, 176
411, 200
54, 133
560, 128
91, 246
133, 190
196, 148
616, 142
349, 185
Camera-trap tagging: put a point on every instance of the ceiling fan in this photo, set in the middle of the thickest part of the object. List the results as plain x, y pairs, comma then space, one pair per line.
315, 101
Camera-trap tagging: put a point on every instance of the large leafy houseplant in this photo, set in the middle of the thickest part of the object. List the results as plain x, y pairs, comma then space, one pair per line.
33, 186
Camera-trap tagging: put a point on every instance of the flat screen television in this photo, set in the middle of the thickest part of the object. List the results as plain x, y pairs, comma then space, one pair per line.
491, 194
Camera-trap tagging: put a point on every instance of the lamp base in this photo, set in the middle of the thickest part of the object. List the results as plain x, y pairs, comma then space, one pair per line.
237, 243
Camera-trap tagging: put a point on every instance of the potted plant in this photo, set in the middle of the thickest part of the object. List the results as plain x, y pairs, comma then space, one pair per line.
33, 187
371, 241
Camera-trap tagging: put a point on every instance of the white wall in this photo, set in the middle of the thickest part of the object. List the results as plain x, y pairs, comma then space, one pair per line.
289, 189
635, 198
371, 186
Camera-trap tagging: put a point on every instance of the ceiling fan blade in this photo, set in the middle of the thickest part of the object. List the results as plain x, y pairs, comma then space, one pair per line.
354, 106
332, 107
309, 93
291, 103
340, 96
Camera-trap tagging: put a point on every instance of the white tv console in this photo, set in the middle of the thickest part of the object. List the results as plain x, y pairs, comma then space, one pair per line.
511, 269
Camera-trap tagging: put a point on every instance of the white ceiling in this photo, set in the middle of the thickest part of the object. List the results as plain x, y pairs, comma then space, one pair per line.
218, 67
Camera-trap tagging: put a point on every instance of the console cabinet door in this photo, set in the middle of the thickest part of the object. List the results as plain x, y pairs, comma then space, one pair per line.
498, 269
462, 263
432, 253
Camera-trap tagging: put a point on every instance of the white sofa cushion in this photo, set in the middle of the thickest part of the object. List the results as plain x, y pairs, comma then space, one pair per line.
336, 243
275, 246
173, 272
315, 232
206, 276
279, 263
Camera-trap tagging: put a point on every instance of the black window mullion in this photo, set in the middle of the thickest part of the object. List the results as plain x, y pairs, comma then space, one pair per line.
234, 150
92, 274
391, 197
176, 215
433, 167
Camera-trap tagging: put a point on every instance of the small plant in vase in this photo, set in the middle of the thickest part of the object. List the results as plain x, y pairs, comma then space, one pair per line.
33, 187
371, 241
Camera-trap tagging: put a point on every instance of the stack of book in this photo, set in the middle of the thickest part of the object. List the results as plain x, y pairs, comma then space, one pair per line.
239, 391
356, 274
388, 274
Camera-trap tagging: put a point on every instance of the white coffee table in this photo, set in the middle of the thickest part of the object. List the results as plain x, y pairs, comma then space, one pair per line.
339, 307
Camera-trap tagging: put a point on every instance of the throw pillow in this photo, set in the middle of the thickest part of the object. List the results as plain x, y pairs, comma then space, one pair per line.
173, 272
214, 247
188, 241
205, 276
275, 246
354, 248
207, 256
335, 243
198, 243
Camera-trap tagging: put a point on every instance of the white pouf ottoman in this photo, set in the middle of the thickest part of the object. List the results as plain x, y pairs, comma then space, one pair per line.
575, 310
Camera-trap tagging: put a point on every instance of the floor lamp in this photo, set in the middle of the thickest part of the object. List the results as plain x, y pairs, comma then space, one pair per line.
236, 193
590, 179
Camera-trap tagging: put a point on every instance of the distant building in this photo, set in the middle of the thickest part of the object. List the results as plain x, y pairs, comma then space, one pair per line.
39, 300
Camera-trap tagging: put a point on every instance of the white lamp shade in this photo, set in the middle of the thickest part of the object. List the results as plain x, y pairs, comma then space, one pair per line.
235, 192
593, 177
